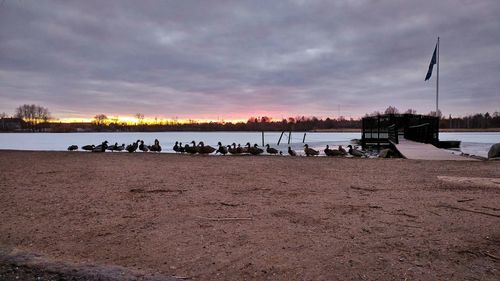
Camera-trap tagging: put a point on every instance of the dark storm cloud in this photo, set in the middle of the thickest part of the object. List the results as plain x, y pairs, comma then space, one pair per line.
236, 58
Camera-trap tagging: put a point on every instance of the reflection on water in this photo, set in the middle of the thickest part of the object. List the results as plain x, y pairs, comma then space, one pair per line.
472, 143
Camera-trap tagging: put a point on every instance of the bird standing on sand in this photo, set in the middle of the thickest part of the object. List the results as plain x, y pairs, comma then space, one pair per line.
133, 147
142, 147
191, 149
271, 150
205, 149
332, 152
72, 147
88, 147
233, 149
309, 151
156, 146
355, 152
240, 149
101, 148
120, 148
254, 150
112, 147
176, 147
291, 152
341, 149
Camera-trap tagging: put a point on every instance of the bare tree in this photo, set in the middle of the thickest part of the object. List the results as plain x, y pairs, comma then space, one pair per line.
33, 114
375, 113
140, 118
3, 115
391, 110
100, 119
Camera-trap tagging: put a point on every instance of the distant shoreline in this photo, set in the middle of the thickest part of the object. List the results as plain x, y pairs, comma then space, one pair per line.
344, 130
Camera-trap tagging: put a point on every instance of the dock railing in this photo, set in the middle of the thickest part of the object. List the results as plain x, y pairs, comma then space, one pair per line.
420, 133
392, 131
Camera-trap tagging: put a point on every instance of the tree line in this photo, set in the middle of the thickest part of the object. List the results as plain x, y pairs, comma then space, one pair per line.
30, 116
36, 118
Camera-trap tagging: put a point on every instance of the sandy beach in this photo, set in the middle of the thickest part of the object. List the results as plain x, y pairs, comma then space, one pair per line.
249, 218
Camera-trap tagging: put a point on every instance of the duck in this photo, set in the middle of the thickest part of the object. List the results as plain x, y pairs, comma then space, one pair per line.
232, 149
332, 152
254, 150
120, 148
222, 149
271, 150
112, 147
88, 147
156, 146
205, 149
101, 148
291, 152
240, 150
342, 150
176, 147
142, 147
355, 152
72, 147
133, 147
191, 149
309, 151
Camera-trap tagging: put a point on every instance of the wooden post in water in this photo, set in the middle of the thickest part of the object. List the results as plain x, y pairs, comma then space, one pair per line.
290, 135
280, 137
304, 138
262, 138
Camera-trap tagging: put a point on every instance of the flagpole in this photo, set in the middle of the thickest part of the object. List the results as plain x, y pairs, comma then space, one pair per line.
437, 80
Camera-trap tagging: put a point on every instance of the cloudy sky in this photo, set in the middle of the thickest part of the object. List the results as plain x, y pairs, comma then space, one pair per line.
235, 59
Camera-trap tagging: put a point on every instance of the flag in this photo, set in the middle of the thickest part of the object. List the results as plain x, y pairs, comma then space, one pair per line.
431, 65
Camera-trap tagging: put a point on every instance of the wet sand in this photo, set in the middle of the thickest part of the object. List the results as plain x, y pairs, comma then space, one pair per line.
247, 218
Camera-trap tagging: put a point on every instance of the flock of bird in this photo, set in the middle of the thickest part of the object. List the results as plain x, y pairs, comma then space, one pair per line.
139, 144
233, 149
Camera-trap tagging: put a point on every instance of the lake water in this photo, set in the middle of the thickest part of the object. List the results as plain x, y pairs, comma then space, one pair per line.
472, 143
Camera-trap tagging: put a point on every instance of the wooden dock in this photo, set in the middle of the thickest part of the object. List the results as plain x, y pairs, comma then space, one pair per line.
424, 151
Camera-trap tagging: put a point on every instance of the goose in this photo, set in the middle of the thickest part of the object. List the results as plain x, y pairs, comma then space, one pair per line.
191, 149
332, 152
254, 150
240, 149
120, 148
72, 147
310, 151
176, 147
355, 152
291, 152
271, 150
233, 149
222, 149
143, 147
133, 147
112, 147
341, 149
202, 149
155, 147
88, 147
101, 148
181, 148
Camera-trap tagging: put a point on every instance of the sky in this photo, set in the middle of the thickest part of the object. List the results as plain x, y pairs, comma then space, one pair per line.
235, 59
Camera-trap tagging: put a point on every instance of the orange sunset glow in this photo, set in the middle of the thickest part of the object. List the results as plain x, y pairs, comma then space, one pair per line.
129, 120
